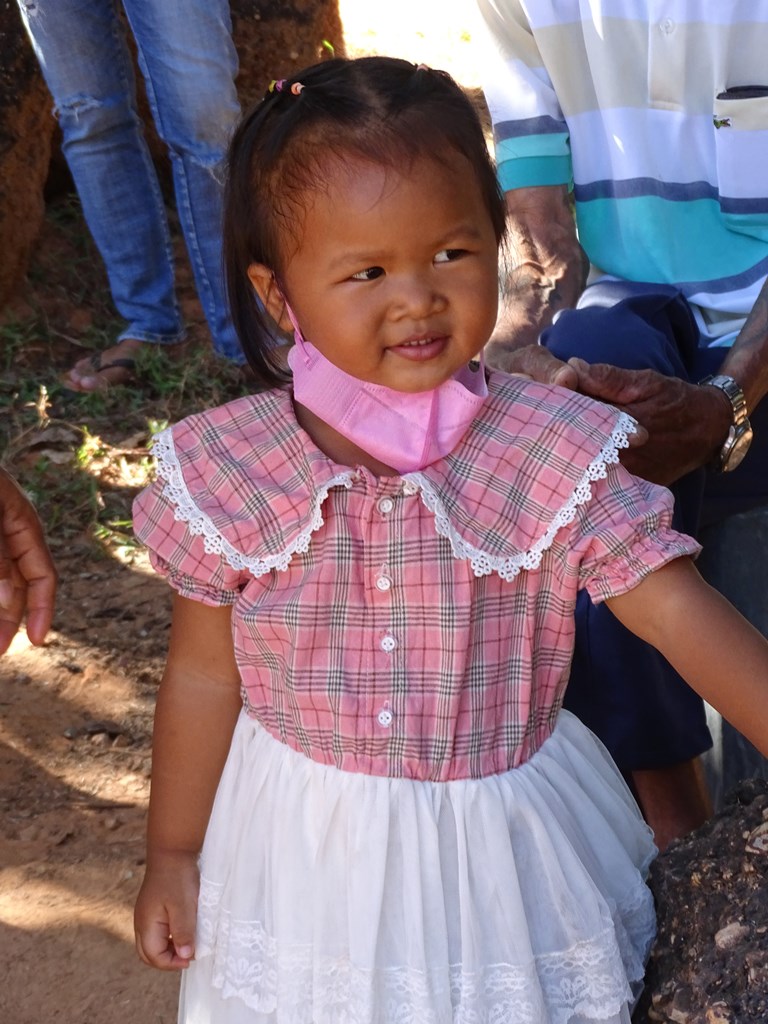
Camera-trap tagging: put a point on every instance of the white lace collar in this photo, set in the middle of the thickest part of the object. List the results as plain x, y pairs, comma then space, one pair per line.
512, 538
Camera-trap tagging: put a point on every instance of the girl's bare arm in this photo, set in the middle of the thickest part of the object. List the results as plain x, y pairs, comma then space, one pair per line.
197, 706
711, 645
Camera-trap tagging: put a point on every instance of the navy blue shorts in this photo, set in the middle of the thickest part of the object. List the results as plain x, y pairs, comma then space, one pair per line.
621, 687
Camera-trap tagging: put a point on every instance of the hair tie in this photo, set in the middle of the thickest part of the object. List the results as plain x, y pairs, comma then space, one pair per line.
422, 67
279, 84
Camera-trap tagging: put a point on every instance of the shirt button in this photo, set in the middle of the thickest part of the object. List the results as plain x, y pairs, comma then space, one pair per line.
385, 506
667, 26
388, 643
383, 583
385, 717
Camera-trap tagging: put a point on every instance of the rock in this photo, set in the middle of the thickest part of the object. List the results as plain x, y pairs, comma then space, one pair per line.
757, 840
26, 127
680, 1006
710, 961
757, 970
718, 1013
732, 935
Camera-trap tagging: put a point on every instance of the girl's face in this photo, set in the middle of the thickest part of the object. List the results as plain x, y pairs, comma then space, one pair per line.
394, 278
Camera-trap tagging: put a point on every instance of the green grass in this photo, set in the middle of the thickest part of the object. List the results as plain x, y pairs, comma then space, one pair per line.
82, 457
100, 441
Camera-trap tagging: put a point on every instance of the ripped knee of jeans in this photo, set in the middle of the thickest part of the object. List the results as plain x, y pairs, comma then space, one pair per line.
210, 160
218, 171
199, 133
82, 116
76, 106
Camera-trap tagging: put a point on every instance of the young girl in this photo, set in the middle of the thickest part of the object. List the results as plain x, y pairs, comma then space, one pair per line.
358, 743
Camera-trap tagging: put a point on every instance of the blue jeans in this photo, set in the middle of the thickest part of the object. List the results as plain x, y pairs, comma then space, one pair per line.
189, 63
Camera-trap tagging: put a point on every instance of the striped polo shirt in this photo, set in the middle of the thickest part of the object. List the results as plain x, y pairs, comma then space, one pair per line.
655, 112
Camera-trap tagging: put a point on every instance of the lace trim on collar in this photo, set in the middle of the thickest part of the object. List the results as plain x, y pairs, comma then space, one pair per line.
484, 564
481, 562
199, 523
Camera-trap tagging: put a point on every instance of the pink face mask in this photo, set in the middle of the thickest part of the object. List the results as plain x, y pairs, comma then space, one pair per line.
404, 430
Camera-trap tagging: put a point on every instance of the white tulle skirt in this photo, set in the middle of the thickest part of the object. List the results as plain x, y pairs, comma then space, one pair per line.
329, 897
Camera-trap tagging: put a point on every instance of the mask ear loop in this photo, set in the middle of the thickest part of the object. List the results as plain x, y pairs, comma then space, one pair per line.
298, 337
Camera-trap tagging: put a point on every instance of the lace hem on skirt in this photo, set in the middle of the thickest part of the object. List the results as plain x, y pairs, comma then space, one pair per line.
330, 897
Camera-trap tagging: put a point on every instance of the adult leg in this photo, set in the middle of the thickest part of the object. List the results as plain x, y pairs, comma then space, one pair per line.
87, 67
623, 689
189, 62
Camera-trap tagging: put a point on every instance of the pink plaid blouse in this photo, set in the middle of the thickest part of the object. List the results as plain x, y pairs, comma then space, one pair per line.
416, 626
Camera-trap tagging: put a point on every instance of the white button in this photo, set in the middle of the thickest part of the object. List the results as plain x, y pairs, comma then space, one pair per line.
383, 583
667, 26
388, 643
385, 717
386, 505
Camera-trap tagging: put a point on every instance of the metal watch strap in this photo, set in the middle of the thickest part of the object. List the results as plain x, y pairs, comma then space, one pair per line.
740, 433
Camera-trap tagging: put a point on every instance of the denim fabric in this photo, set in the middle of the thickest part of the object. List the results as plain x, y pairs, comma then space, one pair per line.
189, 63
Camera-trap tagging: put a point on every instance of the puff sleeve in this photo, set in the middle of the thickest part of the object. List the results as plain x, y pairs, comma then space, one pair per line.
180, 552
623, 533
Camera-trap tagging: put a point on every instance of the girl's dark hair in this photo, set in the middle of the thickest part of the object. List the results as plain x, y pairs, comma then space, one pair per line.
379, 109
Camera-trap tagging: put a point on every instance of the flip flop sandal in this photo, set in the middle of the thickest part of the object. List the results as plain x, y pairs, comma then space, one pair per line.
98, 365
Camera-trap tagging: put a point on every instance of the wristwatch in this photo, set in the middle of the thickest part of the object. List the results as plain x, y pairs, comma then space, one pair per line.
740, 434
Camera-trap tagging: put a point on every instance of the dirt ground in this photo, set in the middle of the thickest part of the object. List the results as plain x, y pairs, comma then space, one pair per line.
75, 715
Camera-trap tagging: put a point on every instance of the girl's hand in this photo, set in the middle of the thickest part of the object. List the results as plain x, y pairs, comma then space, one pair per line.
197, 707
166, 910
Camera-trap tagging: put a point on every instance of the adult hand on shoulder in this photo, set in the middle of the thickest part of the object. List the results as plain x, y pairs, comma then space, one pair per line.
538, 363
686, 424
27, 572
532, 361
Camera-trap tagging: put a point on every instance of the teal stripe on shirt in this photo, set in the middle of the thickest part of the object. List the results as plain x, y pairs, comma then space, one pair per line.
545, 145
534, 171
551, 144
709, 255
545, 156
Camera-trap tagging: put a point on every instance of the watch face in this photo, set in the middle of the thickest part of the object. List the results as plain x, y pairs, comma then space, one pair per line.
736, 450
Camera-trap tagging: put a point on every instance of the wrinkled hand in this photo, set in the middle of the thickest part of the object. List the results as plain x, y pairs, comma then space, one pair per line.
532, 361
538, 363
686, 424
27, 573
166, 911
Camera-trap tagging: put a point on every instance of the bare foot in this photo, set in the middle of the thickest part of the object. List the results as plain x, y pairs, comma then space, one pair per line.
102, 370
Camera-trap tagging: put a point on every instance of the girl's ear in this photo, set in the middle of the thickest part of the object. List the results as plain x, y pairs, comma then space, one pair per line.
266, 287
